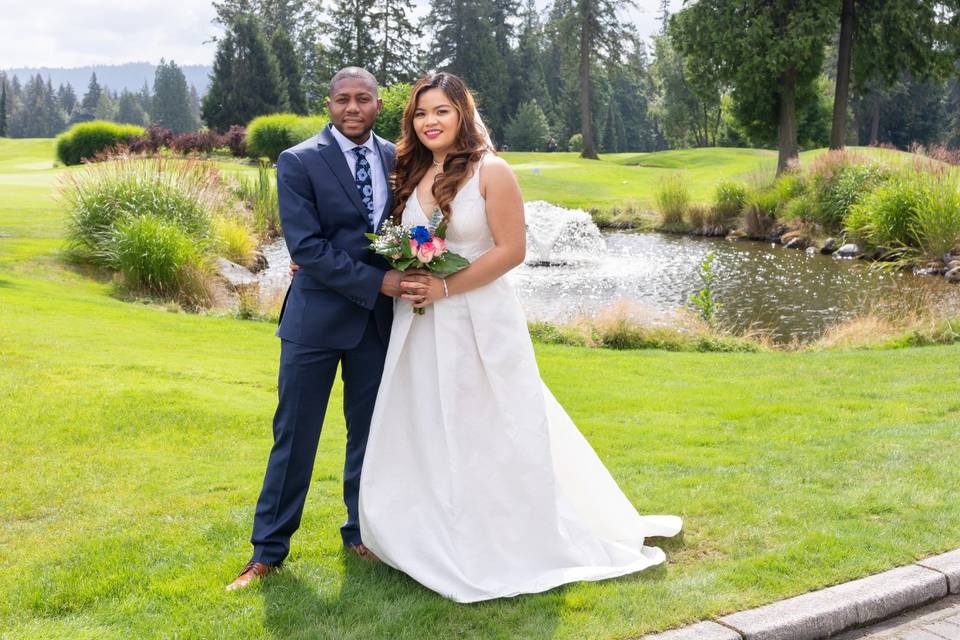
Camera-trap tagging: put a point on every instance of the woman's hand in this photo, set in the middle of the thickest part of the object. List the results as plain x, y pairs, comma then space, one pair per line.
423, 294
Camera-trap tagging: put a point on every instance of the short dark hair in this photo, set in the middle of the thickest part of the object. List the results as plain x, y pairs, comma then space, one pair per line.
358, 73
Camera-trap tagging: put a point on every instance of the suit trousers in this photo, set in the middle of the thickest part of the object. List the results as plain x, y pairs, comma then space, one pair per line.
305, 380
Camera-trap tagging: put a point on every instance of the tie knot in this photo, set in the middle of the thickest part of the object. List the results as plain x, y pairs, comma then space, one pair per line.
360, 152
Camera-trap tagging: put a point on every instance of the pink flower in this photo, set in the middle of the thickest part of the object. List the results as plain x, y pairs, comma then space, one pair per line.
440, 246
413, 246
426, 251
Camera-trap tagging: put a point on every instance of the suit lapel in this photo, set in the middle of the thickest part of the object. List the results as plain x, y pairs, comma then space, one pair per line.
330, 151
386, 161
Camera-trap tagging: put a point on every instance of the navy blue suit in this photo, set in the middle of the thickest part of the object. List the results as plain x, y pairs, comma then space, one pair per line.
334, 314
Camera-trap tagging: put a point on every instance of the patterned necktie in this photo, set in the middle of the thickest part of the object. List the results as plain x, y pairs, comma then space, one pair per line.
364, 182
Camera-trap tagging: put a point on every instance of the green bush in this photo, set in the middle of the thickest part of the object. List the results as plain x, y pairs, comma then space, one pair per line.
87, 139
233, 240
729, 198
575, 143
672, 198
389, 123
802, 208
158, 257
886, 216
787, 187
937, 223
838, 192
268, 136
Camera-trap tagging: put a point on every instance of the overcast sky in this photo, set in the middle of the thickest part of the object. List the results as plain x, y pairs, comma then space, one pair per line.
73, 33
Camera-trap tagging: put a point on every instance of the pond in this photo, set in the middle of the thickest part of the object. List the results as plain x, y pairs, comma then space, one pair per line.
573, 269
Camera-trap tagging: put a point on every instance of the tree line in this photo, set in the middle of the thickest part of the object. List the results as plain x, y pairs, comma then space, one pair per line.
36, 110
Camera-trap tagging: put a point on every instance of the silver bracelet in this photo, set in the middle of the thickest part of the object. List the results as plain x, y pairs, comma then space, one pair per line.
446, 292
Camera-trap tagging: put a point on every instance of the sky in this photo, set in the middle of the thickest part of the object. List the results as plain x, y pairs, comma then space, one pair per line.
74, 33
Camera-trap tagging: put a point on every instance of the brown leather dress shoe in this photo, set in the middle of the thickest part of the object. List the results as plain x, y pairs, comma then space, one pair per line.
251, 572
363, 551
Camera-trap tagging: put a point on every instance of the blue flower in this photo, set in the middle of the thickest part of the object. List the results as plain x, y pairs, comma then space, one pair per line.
420, 234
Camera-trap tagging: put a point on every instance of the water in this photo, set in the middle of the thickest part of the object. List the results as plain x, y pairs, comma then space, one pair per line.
574, 270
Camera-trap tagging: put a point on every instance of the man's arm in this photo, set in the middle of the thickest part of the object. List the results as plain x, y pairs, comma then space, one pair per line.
354, 279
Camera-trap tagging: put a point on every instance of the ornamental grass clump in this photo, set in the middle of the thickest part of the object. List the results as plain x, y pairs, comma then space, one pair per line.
841, 179
88, 139
729, 199
672, 199
180, 198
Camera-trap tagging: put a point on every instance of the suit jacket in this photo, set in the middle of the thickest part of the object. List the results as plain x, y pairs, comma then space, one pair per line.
329, 302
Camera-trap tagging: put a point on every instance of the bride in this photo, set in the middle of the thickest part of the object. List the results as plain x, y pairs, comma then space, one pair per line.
475, 481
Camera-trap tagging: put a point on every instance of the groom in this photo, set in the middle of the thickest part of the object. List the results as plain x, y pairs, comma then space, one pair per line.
333, 189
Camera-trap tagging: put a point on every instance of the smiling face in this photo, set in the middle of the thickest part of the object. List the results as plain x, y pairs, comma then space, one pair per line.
435, 120
354, 107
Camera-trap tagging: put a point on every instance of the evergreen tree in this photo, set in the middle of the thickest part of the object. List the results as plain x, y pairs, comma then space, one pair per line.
290, 70
146, 99
663, 15
106, 106
67, 98
464, 45
246, 80
771, 61
129, 110
195, 105
55, 119
686, 116
92, 98
171, 99
528, 130
3, 105
39, 115
599, 32
881, 40
397, 41
353, 42
529, 79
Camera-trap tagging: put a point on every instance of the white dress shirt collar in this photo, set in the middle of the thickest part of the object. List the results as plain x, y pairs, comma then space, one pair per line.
347, 145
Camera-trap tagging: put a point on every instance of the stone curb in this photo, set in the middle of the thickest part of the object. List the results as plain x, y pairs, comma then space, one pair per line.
825, 613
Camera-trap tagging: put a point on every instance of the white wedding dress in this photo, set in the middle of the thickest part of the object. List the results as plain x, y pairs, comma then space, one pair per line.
475, 481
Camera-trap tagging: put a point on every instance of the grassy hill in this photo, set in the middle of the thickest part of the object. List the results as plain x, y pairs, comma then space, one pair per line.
134, 439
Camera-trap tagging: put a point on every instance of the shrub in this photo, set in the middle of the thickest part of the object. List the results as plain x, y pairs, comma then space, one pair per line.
729, 199
696, 216
786, 187
157, 256
236, 140
87, 139
575, 143
759, 214
840, 180
390, 120
885, 217
196, 142
936, 226
155, 138
186, 193
672, 199
233, 240
802, 208
268, 136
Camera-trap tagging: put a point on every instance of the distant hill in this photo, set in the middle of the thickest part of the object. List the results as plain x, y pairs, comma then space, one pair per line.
119, 76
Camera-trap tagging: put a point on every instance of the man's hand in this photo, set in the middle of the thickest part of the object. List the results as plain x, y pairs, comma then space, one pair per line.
396, 283
294, 267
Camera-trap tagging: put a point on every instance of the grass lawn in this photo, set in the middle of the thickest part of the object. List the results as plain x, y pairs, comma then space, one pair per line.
134, 441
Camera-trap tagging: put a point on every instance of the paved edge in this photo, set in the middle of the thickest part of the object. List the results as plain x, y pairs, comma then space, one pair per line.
827, 612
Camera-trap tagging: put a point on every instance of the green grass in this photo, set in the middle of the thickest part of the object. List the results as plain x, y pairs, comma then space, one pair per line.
134, 441
629, 180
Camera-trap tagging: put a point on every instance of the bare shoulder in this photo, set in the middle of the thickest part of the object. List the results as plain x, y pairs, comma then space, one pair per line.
495, 171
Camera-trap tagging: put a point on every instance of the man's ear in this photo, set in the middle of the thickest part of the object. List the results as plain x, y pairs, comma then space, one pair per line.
326, 103
379, 105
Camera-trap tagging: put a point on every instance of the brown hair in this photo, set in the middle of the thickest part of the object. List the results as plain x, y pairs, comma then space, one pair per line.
414, 159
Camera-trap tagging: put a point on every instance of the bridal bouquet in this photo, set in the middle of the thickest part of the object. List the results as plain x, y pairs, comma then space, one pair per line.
417, 248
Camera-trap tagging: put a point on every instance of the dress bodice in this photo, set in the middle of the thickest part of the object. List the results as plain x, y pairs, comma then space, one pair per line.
468, 233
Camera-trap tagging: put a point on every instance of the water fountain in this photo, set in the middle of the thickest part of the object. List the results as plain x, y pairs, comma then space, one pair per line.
560, 237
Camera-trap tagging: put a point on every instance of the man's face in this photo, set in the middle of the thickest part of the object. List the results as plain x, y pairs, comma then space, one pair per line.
354, 107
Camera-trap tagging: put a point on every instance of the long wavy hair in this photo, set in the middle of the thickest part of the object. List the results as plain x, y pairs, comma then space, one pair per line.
414, 159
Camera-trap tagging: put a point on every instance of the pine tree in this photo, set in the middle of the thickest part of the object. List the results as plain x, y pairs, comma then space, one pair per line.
246, 80
171, 99
528, 130
146, 99
353, 41
195, 104
39, 115
397, 42
530, 82
92, 98
599, 33
3, 106
290, 70
129, 110
67, 98
663, 15
463, 44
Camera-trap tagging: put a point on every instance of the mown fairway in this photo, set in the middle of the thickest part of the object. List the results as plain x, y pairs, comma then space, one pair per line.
134, 438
